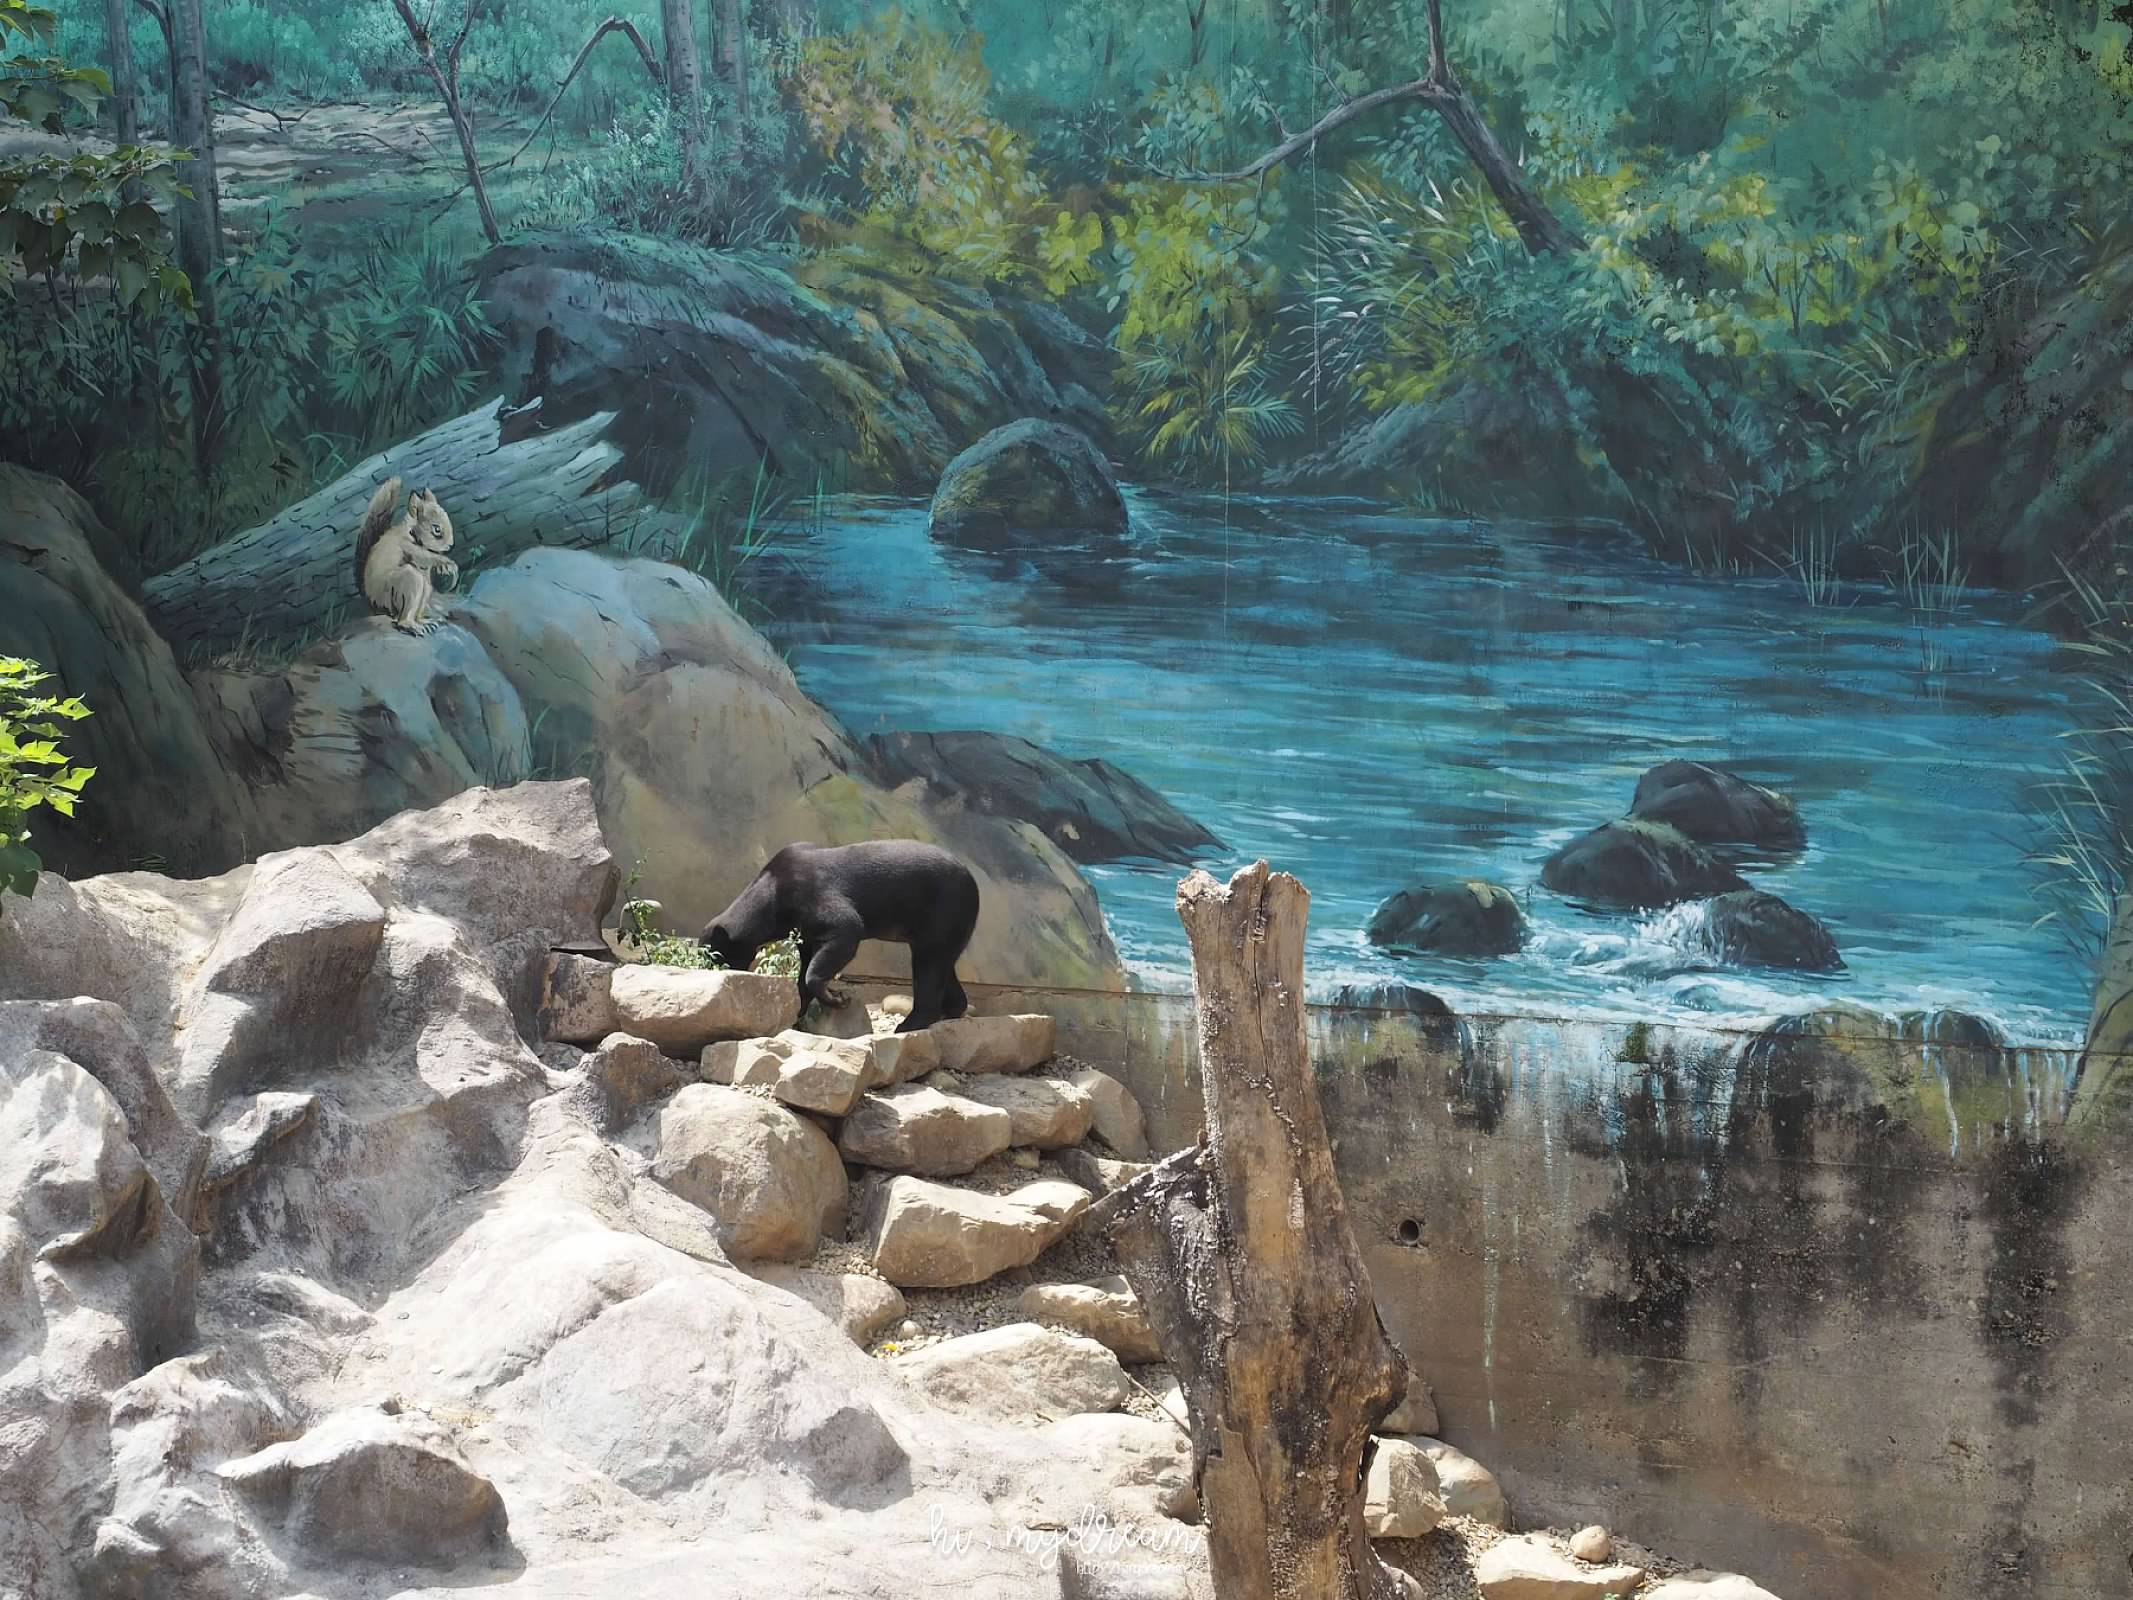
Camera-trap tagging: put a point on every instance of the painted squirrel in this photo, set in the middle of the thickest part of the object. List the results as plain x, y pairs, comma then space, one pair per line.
399, 558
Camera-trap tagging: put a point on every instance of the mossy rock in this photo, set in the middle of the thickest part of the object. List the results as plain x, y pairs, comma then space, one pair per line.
1944, 1075
1749, 928
1713, 807
1027, 481
1467, 918
1633, 865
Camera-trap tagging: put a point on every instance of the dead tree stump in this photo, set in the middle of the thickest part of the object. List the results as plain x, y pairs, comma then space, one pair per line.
1242, 1257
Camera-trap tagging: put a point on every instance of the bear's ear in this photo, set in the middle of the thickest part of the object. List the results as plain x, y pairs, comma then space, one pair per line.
425, 496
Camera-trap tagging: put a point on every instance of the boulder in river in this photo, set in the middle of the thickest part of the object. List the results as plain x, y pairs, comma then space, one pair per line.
1090, 809
1711, 806
1749, 928
1466, 918
1027, 480
1634, 865
1392, 999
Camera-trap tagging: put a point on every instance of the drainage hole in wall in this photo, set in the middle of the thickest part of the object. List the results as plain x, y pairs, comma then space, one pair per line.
1410, 1231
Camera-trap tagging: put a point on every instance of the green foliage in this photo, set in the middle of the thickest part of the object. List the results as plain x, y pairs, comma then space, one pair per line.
655, 947
632, 180
1207, 405
900, 112
2083, 813
90, 217
323, 362
33, 770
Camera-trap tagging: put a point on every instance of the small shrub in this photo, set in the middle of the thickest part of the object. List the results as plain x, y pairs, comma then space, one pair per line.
33, 770
658, 948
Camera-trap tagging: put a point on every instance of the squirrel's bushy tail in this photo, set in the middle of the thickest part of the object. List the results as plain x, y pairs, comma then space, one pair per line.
376, 520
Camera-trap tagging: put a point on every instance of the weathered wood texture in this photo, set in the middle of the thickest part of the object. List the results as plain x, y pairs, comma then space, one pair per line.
297, 571
1241, 1254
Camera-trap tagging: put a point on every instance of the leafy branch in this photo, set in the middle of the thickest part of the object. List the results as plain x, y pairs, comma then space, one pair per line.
33, 770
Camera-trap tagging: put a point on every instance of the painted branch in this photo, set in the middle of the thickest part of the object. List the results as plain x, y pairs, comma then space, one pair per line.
1539, 228
292, 573
1243, 1259
445, 76
621, 25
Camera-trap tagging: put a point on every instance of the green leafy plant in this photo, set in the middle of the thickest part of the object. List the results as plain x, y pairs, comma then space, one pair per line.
85, 216
2083, 812
324, 360
638, 921
33, 770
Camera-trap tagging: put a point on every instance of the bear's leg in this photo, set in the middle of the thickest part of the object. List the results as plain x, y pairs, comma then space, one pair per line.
926, 973
954, 1003
832, 953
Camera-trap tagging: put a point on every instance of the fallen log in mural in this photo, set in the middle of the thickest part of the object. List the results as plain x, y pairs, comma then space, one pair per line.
505, 487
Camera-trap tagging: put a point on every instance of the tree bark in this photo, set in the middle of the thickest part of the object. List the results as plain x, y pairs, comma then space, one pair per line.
1235, 1247
733, 63
445, 75
125, 87
1539, 228
199, 218
685, 88
291, 573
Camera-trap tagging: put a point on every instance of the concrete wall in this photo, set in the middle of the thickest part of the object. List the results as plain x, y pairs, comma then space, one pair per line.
1839, 1310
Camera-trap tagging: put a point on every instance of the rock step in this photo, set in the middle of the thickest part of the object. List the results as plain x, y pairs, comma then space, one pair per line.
1467, 1488
1106, 1310
1529, 1567
1020, 1373
923, 1235
918, 1128
1400, 1496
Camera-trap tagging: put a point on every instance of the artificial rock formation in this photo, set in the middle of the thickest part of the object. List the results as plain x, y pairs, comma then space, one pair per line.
458, 1312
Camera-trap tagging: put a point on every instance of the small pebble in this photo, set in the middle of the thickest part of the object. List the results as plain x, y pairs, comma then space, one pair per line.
1592, 1544
907, 1329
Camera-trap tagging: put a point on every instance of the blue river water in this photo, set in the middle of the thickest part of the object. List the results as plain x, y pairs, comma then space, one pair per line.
1369, 698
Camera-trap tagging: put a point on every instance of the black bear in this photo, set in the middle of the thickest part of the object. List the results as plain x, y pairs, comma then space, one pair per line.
834, 896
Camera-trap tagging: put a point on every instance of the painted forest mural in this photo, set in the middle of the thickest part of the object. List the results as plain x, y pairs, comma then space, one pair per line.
1627, 498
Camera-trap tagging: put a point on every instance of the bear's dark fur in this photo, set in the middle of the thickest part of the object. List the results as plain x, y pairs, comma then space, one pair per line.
834, 896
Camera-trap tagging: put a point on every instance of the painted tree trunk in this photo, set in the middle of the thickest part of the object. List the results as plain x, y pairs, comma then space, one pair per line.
1236, 1245
685, 87
292, 573
192, 127
125, 87
1539, 228
199, 218
733, 61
